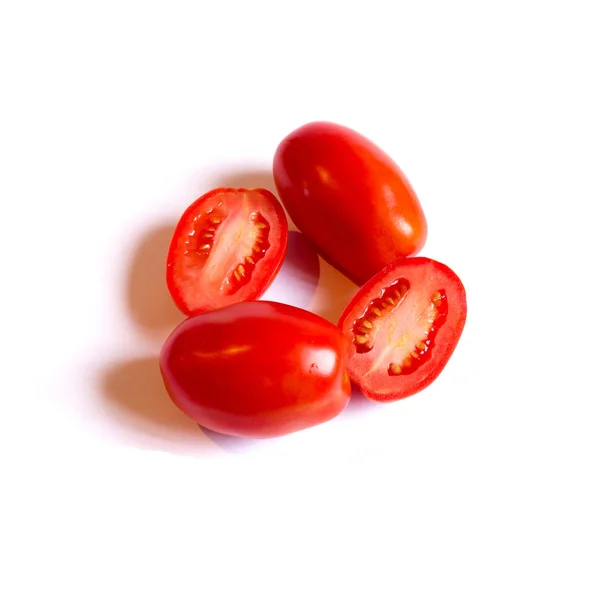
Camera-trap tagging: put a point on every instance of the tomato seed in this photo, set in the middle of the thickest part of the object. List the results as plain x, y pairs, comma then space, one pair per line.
394, 369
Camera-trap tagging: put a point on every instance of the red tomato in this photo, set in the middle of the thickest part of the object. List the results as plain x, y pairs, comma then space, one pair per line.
349, 197
227, 248
256, 369
402, 327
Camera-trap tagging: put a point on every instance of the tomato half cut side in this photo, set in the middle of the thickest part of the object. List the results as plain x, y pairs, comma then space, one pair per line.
402, 327
227, 248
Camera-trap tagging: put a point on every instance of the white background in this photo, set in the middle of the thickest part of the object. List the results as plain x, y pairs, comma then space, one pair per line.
114, 117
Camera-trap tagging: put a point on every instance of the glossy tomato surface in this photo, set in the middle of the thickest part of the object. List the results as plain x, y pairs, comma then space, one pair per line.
402, 327
227, 248
349, 197
257, 369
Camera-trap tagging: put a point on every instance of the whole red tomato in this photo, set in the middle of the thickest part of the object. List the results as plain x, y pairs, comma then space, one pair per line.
349, 197
257, 369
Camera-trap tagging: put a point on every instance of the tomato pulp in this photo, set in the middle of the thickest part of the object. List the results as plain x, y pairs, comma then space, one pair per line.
227, 248
349, 197
256, 369
402, 327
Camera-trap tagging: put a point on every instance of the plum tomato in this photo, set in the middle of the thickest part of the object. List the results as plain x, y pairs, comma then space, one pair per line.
227, 248
349, 197
402, 327
257, 369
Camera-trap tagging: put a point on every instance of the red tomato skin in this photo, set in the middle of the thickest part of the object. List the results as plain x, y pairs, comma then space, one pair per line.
446, 340
349, 197
257, 286
256, 369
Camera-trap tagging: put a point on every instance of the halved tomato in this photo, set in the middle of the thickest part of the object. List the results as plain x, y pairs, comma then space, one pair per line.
403, 326
227, 248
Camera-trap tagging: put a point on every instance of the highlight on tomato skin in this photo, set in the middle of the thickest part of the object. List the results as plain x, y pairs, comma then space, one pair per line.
349, 197
402, 327
256, 369
227, 247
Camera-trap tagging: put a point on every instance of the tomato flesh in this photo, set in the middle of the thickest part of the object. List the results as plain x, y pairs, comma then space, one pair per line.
349, 197
227, 248
257, 369
403, 326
